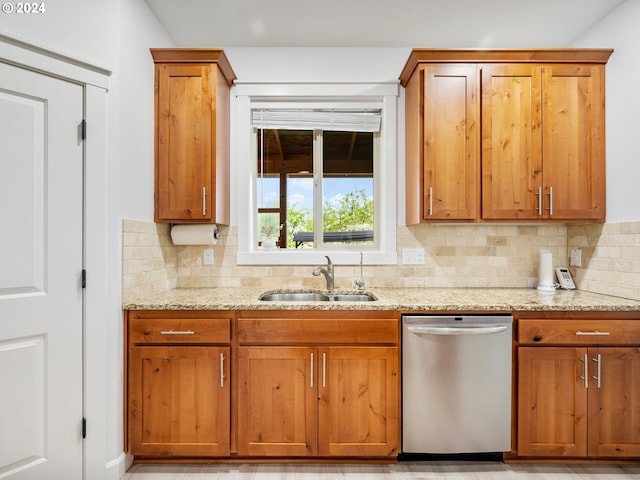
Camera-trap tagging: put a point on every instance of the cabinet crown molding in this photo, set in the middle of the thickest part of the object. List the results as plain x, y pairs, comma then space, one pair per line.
195, 55
503, 55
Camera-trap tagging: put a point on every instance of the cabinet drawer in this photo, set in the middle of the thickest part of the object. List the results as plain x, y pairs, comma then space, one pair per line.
177, 330
579, 332
336, 331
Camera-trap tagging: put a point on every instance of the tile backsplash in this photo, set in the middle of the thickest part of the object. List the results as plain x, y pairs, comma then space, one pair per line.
455, 256
610, 258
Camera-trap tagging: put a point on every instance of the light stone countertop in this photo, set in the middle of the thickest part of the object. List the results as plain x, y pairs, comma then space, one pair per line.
402, 299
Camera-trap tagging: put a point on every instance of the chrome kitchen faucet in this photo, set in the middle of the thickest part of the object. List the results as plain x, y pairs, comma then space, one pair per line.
327, 272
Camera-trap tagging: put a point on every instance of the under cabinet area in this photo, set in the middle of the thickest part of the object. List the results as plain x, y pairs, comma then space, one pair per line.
578, 391
499, 135
322, 384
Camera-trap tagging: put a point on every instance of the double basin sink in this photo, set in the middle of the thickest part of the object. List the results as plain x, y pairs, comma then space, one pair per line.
316, 297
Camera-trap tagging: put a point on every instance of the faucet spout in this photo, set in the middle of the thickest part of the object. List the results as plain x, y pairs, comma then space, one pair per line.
327, 272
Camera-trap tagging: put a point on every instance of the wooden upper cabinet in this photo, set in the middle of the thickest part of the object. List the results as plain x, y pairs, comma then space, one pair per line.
443, 132
192, 88
543, 142
511, 142
573, 142
531, 121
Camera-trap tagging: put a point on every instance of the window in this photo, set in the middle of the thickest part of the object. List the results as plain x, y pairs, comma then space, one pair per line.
316, 185
321, 175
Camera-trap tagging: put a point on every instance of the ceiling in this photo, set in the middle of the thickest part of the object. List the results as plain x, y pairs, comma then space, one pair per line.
379, 23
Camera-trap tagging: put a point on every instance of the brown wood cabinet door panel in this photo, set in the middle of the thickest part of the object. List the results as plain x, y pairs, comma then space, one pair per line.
614, 402
573, 152
179, 401
277, 401
185, 98
511, 141
552, 402
359, 401
451, 142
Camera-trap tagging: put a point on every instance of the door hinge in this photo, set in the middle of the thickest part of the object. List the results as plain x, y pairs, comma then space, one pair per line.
84, 427
84, 278
83, 129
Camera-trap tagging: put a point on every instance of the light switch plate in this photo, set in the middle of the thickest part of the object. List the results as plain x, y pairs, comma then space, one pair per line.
413, 256
576, 257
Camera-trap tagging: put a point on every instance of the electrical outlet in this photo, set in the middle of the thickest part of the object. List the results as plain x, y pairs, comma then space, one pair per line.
207, 256
576, 257
413, 256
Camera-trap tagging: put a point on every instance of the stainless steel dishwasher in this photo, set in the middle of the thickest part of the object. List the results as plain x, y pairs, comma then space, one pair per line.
456, 384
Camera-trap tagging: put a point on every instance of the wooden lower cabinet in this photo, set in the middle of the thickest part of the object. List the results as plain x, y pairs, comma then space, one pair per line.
179, 401
334, 396
578, 401
178, 390
277, 401
257, 384
358, 412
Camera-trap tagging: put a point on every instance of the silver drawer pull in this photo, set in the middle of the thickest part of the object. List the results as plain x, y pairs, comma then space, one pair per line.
176, 332
222, 370
594, 333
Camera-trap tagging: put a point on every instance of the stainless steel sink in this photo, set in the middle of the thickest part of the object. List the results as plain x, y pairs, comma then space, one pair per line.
294, 297
316, 297
353, 297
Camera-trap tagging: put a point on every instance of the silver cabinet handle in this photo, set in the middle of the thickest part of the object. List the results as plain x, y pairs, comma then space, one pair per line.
177, 332
539, 195
324, 370
430, 200
311, 375
599, 371
550, 201
204, 201
585, 377
594, 333
222, 369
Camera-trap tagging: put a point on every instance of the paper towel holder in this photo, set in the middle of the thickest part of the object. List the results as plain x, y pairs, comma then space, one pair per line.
194, 234
216, 231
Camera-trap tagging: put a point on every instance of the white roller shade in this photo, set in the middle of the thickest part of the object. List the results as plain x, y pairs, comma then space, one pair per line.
332, 120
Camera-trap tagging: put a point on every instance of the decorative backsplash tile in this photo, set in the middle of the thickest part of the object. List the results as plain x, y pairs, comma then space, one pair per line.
455, 256
149, 259
610, 258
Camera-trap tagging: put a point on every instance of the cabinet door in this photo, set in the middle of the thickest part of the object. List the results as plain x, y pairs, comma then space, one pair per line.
614, 402
552, 401
573, 151
451, 142
277, 401
185, 96
511, 142
359, 401
179, 401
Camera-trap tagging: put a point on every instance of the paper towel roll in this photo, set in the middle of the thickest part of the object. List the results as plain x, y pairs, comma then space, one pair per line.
546, 272
194, 234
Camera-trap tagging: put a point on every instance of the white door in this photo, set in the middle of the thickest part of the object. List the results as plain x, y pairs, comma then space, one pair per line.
41, 258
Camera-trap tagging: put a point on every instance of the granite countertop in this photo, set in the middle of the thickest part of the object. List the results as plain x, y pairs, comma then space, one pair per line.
403, 299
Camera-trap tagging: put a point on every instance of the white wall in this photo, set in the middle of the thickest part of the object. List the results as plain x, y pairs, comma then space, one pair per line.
619, 30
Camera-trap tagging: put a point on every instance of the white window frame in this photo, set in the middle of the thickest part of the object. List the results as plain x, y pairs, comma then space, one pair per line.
248, 96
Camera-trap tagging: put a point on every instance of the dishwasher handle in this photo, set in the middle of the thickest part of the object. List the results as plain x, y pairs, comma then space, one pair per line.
466, 330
